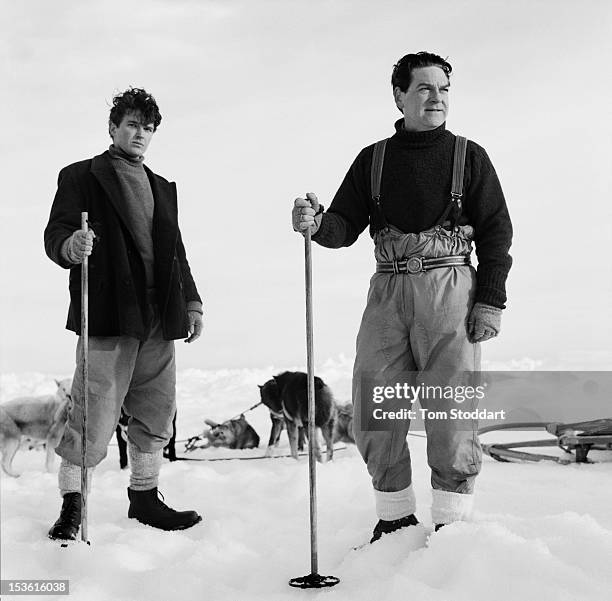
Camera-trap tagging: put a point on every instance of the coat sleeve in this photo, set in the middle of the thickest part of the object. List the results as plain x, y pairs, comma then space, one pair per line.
65, 217
190, 291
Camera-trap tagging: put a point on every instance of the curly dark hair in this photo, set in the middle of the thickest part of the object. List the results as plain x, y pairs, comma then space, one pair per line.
135, 99
402, 70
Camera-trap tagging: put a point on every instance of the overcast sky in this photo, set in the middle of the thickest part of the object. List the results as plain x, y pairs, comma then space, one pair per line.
263, 101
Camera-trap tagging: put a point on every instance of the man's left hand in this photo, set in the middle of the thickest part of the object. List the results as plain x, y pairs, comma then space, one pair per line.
484, 322
195, 325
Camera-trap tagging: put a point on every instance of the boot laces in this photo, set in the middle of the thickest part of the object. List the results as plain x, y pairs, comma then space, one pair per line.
162, 505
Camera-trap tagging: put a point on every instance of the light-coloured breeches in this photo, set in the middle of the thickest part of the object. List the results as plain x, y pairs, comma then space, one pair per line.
418, 323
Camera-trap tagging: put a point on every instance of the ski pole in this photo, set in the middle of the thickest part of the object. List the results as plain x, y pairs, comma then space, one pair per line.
313, 580
85, 364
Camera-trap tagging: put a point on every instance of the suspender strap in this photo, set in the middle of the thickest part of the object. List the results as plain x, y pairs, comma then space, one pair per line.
453, 208
458, 169
378, 159
455, 203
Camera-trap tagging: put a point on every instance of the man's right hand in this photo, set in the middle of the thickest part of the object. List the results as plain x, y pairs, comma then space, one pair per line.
305, 214
80, 245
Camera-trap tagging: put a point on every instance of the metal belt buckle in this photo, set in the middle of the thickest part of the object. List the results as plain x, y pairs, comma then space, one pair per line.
414, 264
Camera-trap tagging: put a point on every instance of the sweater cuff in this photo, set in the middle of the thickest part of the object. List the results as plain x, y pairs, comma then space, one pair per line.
65, 251
195, 306
491, 286
331, 232
490, 296
322, 230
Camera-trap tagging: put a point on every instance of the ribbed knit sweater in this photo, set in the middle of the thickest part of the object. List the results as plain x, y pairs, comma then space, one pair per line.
139, 205
415, 190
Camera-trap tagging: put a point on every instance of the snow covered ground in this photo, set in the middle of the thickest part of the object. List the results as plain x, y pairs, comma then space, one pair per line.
540, 531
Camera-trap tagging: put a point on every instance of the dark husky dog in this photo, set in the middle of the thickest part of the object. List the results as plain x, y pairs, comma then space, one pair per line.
286, 396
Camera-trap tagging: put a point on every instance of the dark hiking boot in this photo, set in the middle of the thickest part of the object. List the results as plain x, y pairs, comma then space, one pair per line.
147, 507
386, 527
69, 521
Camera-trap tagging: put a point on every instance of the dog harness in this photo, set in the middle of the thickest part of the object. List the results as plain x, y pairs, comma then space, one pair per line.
287, 415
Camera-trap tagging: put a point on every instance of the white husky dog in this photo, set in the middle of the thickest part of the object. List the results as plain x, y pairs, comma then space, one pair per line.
40, 418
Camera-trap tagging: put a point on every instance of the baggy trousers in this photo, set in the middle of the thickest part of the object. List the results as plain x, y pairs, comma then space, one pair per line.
418, 323
123, 371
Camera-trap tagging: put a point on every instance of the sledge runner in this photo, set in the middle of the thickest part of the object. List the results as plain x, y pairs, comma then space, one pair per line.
141, 298
427, 195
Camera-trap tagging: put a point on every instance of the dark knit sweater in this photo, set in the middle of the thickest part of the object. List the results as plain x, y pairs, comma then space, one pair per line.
415, 190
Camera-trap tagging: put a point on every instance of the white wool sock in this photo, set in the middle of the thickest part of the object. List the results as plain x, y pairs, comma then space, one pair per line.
395, 505
448, 507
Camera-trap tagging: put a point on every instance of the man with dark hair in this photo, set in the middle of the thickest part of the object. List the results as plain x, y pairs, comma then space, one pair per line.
426, 195
141, 298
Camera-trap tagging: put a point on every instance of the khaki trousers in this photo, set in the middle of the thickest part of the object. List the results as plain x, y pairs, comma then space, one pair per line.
123, 371
417, 323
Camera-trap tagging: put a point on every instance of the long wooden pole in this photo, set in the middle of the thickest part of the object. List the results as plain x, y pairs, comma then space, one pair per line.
85, 378
314, 579
312, 464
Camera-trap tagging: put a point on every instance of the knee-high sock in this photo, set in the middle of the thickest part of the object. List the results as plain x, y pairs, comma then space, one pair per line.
69, 477
145, 468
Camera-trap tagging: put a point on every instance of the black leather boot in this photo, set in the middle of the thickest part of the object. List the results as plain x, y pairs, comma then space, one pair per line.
148, 508
69, 521
386, 527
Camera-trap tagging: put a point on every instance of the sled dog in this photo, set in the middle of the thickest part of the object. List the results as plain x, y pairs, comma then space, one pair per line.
40, 418
343, 430
286, 397
234, 433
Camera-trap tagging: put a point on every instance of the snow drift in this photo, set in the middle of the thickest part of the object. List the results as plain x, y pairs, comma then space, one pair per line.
540, 531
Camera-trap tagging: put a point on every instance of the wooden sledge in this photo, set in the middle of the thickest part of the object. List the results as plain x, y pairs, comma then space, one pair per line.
578, 439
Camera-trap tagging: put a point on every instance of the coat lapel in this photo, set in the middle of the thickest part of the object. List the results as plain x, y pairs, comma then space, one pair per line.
165, 219
165, 232
165, 223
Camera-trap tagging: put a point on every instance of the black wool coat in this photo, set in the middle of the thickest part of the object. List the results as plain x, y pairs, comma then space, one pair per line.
117, 288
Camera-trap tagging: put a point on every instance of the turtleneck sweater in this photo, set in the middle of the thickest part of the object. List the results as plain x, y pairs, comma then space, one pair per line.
139, 205
415, 190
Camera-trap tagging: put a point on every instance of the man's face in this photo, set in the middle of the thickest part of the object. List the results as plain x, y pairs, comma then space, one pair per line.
425, 102
132, 135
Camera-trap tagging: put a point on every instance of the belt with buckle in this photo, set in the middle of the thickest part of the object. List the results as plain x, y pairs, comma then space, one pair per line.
417, 264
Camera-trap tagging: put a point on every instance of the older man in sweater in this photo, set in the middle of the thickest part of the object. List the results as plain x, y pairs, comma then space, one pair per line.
426, 195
